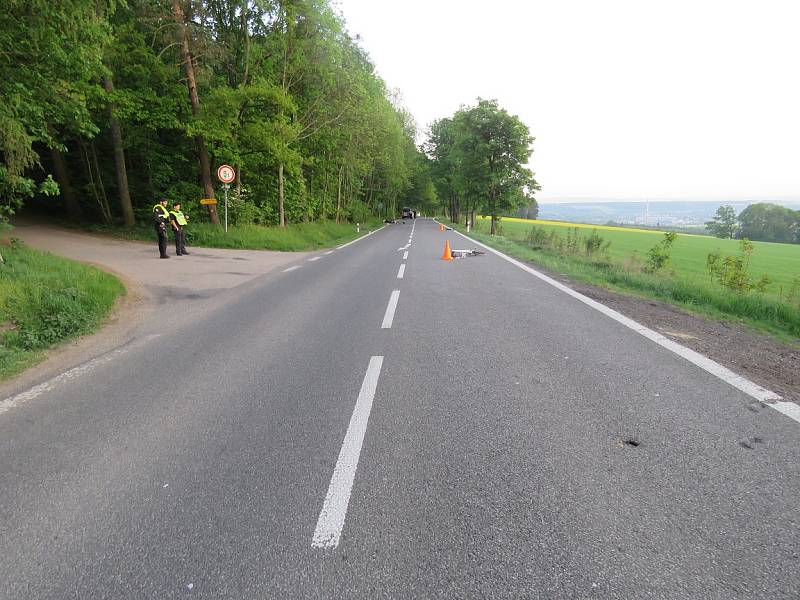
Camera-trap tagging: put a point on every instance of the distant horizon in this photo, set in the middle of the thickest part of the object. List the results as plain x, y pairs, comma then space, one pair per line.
605, 200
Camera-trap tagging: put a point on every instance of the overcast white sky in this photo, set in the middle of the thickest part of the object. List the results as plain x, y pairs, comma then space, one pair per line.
628, 99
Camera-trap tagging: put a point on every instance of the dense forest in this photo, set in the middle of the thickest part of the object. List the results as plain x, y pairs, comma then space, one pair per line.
126, 102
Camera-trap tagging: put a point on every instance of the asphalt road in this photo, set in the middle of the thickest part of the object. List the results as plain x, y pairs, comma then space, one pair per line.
492, 437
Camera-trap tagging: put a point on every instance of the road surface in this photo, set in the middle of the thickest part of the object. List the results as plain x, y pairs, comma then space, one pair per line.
349, 427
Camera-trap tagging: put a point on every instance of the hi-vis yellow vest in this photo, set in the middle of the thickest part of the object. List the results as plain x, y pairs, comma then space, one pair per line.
178, 214
163, 210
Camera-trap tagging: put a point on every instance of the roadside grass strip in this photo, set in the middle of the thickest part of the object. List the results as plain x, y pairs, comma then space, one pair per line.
763, 395
46, 300
292, 238
334, 510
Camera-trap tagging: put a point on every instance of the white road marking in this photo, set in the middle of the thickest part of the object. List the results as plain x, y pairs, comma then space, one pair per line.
405, 255
404, 247
51, 384
359, 239
389, 316
292, 268
329, 252
313, 258
770, 398
334, 510
402, 271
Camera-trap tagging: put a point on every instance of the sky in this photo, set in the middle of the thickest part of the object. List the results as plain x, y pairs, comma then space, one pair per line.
627, 99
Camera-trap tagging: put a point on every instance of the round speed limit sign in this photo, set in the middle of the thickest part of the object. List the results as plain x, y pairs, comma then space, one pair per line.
226, 174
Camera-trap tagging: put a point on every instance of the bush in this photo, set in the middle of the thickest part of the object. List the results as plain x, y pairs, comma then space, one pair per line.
659, 256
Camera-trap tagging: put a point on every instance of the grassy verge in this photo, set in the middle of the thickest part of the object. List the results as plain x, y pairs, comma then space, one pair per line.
45, 300
293, 238
765, 313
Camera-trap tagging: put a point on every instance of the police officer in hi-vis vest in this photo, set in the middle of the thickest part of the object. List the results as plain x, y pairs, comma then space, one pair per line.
179, 221
160, 221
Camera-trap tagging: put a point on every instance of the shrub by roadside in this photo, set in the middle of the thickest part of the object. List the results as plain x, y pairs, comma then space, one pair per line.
45, 300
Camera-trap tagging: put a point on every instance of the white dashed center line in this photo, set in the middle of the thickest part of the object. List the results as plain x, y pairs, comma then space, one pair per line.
389, 316
405, 255
313, 258
334, 510
402, 271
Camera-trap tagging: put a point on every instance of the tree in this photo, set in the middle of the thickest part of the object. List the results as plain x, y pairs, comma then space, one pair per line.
769, 223
493, 147
723, 225
187, 60
49, 53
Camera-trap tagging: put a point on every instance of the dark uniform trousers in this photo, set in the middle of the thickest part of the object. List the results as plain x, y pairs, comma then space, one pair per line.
180, 240
161, 232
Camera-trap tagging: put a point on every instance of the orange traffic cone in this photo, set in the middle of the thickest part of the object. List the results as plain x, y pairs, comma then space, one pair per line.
447, 254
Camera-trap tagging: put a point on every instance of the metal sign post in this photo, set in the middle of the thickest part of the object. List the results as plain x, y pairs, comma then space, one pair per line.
226, 186
226, 175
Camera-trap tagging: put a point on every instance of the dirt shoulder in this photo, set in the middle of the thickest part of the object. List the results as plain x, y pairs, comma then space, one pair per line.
758, 357
151, 284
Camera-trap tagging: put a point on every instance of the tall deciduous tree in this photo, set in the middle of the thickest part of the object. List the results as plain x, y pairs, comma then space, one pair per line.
187, 60
723, 225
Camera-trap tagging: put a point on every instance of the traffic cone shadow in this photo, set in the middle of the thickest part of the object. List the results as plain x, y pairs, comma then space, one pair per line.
448, 255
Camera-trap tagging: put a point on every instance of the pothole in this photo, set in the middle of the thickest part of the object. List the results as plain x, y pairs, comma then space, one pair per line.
630, 443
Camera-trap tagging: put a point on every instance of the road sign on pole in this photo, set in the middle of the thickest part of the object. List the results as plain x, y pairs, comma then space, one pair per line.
206, 201
226, 175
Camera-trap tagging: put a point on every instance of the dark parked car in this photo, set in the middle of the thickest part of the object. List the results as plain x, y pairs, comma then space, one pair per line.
408, 213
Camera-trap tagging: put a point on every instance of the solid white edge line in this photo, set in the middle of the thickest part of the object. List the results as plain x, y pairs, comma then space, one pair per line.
754, 390
405, 255
50, 384
388, 317
329, 252
292, 268
313, 258
358, 239
401, 271
334, 510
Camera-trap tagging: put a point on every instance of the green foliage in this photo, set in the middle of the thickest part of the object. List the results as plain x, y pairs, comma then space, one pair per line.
732, 272
45, 300
659, 256
723, 225
479, 158
769, 223
279, 84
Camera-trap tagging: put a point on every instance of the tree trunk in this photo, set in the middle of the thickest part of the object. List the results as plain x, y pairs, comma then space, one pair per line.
119, 160
104, 206
339, 195
194, 99
281, 213
74, 211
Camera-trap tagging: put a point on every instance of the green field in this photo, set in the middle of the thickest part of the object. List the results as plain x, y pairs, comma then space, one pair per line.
45, 300
780, 261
